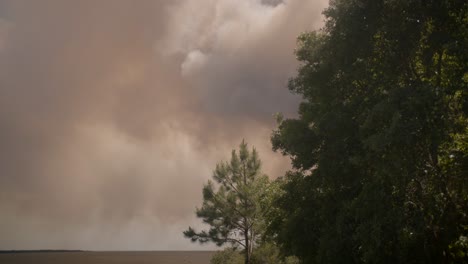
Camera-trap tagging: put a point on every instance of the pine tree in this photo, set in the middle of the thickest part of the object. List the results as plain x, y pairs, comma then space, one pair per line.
231, 204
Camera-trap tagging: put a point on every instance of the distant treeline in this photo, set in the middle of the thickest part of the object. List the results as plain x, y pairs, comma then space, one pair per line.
38, 251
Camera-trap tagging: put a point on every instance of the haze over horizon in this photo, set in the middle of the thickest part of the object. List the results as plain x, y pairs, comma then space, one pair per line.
114, 113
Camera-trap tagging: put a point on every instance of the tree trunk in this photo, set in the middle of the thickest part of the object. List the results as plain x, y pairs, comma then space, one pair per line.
247, 246
246, 231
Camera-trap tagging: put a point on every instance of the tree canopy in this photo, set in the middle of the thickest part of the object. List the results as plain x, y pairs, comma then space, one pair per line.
232, 204
380, 147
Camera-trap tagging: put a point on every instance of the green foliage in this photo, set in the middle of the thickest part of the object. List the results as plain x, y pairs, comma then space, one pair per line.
459, 250
233, 206
380, 147
269, 253
227, 256
266, 253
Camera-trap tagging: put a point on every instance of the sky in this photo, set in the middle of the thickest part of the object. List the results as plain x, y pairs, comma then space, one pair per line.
114, 113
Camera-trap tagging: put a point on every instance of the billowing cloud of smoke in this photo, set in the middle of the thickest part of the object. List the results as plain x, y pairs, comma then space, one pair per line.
114, 113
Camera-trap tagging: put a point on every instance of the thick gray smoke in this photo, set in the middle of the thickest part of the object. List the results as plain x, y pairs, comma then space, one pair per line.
114, 113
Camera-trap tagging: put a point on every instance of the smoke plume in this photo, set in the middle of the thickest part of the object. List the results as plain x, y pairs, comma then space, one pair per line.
114, 113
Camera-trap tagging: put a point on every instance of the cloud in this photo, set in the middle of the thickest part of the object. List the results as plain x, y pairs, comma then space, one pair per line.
114, 113
193, 62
